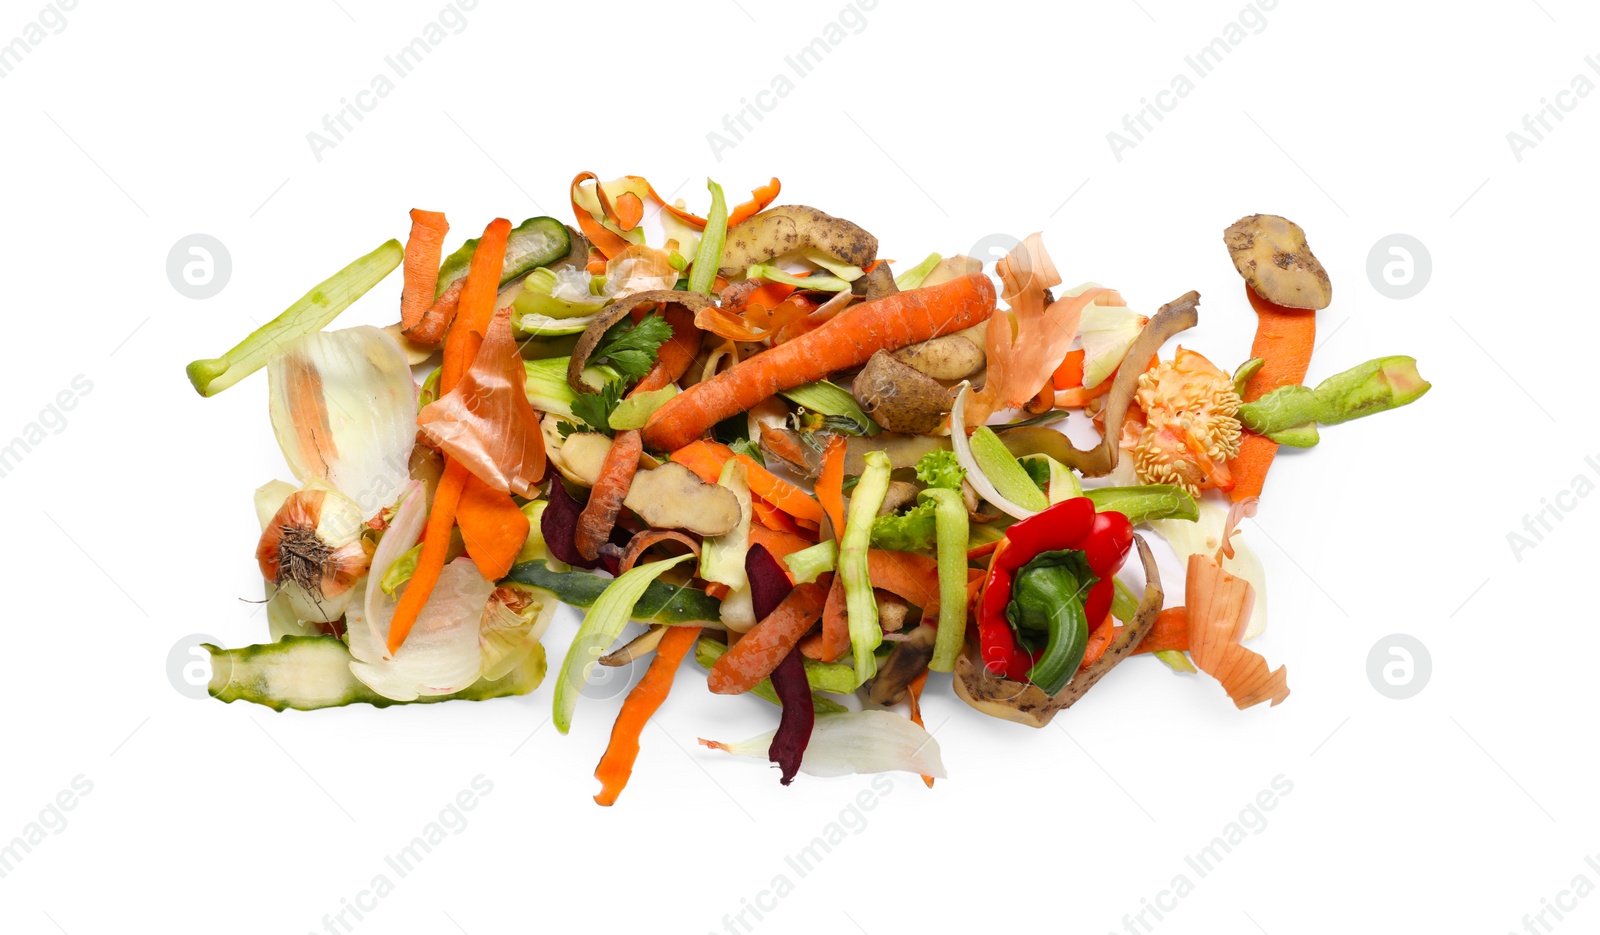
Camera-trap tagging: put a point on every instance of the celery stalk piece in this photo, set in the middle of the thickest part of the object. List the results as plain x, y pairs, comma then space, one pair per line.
913, 277
709, 256
1143, 504
806, 564
311, 312
1176, 660
547, 386
600, 628
860, 606
950, 524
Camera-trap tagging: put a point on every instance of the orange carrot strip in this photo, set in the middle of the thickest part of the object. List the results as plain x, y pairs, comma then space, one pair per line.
1170, 631
1284, 339
616, 764
1070, 373
601, 236
1099, 641
607, 494
492, 528
847, 340
909, 575
706, 458
765, 514
1077, 397
477, 304
914, 693
675, 356
759, 199
835, 624
421, 265
436, 319
780, 544
476, 311
980, 551
760, 650
435, 549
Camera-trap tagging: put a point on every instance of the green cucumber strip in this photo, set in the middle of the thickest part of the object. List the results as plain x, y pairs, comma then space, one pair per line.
708, 651
816, 282
312, 672
1143, 504
950, 535
865, 632
913, 277
1005, 472
806, 564
534, 243
634, 411
703, 275
601, 626
310, 313
661, 602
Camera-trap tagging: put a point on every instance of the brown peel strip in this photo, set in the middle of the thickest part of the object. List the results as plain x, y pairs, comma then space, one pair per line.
615, 312
1175, 317
646, 538
637, 648
1026, 703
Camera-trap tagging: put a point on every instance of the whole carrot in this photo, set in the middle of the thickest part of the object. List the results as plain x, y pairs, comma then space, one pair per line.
1284, 339
848, 340
759, 651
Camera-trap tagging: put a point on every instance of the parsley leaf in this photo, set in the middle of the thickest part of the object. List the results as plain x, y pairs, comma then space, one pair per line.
1038, 471
595, 410
630, 348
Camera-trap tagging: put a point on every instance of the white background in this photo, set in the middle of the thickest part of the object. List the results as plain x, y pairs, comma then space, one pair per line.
934, 126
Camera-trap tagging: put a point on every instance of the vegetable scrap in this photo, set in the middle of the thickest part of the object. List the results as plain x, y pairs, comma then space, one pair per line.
742, 429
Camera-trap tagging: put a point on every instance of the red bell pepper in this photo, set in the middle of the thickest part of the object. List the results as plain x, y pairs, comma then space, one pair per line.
1105, 540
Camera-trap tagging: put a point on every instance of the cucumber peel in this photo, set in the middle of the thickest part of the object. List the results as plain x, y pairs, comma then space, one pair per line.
312, 672
534, 243
661, 602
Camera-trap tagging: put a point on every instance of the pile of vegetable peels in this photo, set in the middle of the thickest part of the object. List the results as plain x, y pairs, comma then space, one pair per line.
747, 432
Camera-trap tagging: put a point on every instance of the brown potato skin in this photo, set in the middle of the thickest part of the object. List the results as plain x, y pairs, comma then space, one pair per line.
899, 397
1272, 255
952, 357
788, 228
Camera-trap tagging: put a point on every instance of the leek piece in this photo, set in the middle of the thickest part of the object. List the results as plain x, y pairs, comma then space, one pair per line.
548, 389
310, 313
601, 626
